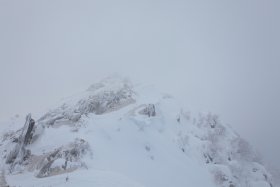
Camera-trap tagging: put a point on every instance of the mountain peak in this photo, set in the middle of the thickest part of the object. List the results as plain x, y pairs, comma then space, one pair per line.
144, 139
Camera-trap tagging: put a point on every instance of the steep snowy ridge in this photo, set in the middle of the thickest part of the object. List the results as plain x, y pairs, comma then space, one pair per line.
115, 134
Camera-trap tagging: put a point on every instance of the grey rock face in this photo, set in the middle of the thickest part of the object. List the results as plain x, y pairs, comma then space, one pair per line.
19, 153
149, 110
70, 156
100, 98
63, 159
29, 133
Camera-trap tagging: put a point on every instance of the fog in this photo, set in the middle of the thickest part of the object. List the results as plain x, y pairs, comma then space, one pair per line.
220, 56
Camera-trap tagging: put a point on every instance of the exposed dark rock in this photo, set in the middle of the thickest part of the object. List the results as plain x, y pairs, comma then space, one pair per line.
149, 110
19, 154
178, 119
99, 100
208, 158
70, 154
28, 135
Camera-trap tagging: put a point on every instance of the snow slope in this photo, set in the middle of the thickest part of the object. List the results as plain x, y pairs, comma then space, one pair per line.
131, 136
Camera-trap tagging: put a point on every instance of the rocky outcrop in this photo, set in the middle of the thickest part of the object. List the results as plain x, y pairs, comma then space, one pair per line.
224, 152
149, 110
99, 99
19, 153
63, 159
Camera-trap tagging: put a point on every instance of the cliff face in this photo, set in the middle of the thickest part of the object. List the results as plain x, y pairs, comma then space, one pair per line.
115, 134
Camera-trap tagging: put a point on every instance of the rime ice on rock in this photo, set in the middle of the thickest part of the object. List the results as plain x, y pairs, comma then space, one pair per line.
149, 110
225, 153
104, 97
56, 150
19, 153
64, 159
20, 158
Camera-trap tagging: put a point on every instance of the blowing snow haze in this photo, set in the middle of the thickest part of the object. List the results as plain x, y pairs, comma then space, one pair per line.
213, 56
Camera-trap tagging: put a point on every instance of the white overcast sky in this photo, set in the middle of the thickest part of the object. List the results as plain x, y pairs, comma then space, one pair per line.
215, 55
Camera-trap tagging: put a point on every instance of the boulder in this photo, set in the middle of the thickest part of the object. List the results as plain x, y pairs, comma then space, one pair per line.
19, 153
149, 110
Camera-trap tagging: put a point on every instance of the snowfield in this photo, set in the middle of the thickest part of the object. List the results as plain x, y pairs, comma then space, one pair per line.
118, 135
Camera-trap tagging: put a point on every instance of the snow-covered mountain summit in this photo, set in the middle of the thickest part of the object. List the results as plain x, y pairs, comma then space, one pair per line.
117, 134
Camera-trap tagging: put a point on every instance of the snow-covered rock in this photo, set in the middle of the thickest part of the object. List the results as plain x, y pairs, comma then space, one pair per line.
149, 110
106, 96
115, 134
